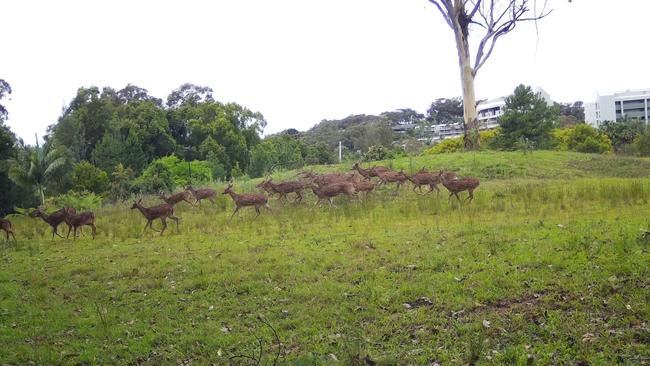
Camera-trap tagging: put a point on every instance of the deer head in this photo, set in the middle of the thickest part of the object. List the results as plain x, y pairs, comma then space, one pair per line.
228, 189
137, 204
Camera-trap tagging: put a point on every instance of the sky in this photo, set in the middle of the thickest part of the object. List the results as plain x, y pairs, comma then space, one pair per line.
300, 61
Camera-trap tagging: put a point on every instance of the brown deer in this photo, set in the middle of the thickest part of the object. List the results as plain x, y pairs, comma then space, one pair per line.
176, 198
5, 225
82, 219
202, 194
161, 212
247, 199
283, 188
370, 172
424, 178
393, 177
363, 185
456, 185
328, 178
55, 218
332, 190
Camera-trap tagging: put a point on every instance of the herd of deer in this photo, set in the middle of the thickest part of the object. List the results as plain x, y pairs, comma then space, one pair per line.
324, 186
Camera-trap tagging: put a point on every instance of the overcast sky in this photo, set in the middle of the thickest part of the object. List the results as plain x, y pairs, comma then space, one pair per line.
299, 62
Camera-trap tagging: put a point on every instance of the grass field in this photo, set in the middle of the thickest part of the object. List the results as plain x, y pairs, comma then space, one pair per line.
548, 265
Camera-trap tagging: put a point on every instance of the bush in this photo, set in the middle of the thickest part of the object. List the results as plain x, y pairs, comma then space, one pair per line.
81, 201
155, 178
581, 138
456, 144
376, 152
449, 145
87, 177
170, 172
121, 186
641, 144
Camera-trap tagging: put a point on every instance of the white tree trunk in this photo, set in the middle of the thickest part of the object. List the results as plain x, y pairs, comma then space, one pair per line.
470, 115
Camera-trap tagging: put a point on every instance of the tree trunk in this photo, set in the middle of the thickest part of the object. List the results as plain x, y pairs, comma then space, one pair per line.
470, 115
40, 190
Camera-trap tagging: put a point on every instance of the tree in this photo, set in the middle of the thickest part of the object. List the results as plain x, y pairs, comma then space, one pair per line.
496, 18
526, 118
623, 132
5, 89
87, 177
36, 166
444, 111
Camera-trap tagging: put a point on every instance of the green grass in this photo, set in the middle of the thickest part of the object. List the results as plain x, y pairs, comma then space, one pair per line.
557, 267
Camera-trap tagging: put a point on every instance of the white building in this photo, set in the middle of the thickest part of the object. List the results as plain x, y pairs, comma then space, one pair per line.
613, 107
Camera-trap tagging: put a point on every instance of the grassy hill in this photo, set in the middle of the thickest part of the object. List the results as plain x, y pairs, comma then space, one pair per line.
547, 265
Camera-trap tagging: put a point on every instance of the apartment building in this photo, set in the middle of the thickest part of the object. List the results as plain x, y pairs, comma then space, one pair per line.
613, 107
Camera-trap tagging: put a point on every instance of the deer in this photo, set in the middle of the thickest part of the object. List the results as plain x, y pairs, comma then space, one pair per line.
393, 177
162, 212
55, 218
424, 178
5, 225
363, 185
247, 199
202, 193
370, 172
175, 198
283, 188
82, 219
332, 190
328, 178
456, 185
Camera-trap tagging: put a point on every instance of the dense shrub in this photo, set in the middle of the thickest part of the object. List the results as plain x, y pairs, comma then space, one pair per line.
87, 177
456, 144
121, 183
170, 172
641, 144
81, 201
581, 138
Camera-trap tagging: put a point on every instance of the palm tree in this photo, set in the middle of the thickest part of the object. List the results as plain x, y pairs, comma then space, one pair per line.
35, 166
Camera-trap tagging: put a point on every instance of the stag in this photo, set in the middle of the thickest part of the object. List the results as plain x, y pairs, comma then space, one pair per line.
247, 199
283, 188
202, 193
82, 219
175, 198
56, 218
332, 190
456, 185
5, 225
161, 212
393, 177
370, 172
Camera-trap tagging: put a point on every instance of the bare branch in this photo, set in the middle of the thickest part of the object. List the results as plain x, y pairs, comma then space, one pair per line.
445, 15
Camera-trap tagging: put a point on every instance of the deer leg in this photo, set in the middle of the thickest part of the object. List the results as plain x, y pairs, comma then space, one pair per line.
75, 233
176, 220
317, 202
233, 214
268, 207
331, 201
457, 197
471, 195
55, 231
164, 222
298, 197
94, 230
